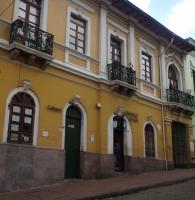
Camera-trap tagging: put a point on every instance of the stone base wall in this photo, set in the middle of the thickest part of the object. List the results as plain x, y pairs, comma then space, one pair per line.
24, 166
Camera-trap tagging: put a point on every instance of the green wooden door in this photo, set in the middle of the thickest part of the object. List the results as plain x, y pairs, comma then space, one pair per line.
72, 143
180, 153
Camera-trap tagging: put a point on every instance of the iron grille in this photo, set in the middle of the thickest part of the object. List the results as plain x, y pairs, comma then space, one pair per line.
31, 36
116, 71
177, 96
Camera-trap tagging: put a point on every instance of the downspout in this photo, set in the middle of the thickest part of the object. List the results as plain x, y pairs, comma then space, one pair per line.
163, 121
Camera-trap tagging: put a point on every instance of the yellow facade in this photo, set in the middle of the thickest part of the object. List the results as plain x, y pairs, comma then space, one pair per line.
71, 75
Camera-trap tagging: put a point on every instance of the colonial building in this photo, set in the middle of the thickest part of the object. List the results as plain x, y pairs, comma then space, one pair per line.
89, 89
190, 84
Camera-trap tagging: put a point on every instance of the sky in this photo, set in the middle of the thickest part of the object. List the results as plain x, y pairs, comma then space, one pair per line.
176, 15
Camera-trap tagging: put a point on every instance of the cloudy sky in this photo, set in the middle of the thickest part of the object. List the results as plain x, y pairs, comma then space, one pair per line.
177, 15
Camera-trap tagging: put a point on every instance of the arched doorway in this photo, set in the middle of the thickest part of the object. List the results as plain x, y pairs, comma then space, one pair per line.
118, 146
21, 119
72, 142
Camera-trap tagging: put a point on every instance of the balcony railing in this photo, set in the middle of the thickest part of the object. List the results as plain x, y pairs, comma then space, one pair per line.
116, 71
177, 96
31, 36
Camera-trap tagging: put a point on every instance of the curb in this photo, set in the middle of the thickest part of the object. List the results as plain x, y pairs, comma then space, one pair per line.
137, 189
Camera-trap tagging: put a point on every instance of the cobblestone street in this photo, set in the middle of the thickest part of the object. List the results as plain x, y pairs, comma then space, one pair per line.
182, 191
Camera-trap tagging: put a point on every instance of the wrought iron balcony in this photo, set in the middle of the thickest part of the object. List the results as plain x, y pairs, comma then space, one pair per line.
116, 71
31, 37
182, 98
123, 79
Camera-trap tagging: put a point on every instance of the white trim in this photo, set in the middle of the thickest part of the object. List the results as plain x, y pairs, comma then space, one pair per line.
83, 144
131, 46
155, 138
85, 6
103, 42
123, 46
88, 29
43, 17
44, 14
178, 74
7, 113
4, 44
147, 43
128, 147
118, 26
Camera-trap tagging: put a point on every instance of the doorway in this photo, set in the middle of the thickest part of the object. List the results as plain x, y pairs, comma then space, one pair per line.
179, 138
72, 142
119, 143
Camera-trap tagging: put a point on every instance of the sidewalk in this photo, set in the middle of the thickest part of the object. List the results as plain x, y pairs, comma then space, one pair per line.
97, 189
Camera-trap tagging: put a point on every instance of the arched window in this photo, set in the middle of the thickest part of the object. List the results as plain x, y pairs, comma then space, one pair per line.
149, 141
21, 119
173, 82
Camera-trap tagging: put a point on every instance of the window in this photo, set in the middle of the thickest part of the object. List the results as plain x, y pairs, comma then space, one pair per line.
115, 53
21, 119
77, 35
30, 11
173, 83
146, 66
193, 74
149, 141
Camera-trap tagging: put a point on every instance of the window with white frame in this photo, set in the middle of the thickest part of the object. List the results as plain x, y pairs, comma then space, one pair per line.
146, 66
77, 33
115, 54
30, 12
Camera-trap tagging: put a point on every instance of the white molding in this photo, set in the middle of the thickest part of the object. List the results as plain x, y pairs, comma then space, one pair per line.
155, 138
83, 143
118, 26
147, 43
128, 144
88, 29
131, 46
4, 44
16, 9
83, 5
7, 113
44, 14
123, 46
103, 42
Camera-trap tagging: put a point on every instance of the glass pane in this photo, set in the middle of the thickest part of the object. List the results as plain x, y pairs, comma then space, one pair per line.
27, 128
73, 26
72, 32
80, 44
14, 137
72, 46
27, 120
81, 30
80, 50
15, 118
33, 10
22, 5
22, 14
80, 37
72, 40
25, 138
28, 111
14, 127
16, 109
32, 18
